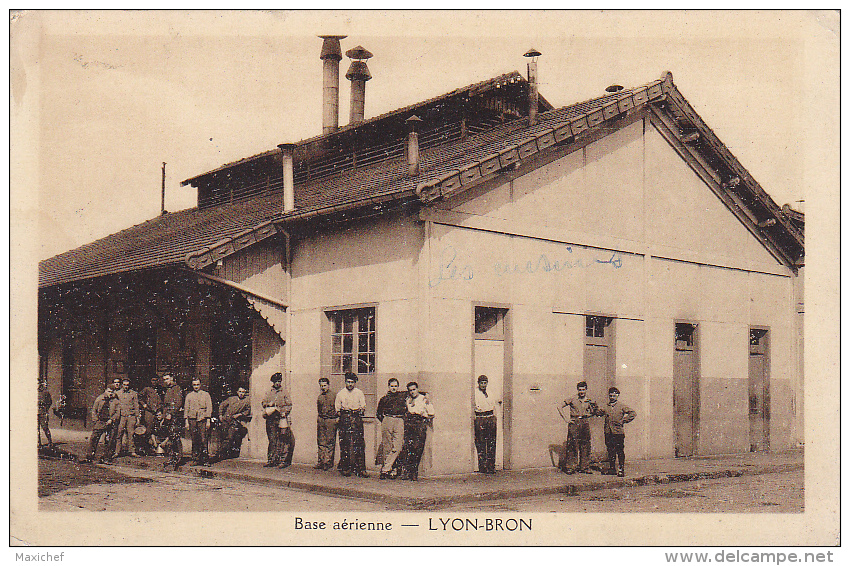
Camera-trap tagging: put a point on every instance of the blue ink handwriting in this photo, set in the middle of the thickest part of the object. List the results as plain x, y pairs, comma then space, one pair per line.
449, 270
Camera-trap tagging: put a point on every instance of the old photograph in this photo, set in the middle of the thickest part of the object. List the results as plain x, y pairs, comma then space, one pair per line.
389, 277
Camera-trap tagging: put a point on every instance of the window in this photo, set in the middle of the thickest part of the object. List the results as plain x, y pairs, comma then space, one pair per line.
685, 336
594, 326
756, 336
490, 323
352, 348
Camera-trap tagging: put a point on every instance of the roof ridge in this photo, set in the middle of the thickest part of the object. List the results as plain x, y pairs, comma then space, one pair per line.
348, 127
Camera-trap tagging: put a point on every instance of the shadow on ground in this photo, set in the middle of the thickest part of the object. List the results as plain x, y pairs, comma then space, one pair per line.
55, 475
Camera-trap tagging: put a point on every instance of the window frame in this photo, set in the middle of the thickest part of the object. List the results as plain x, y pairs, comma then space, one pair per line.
367, 381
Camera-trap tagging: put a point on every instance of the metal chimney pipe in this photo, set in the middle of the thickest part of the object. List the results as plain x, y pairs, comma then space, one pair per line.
358, 74
533, 97
413, 145
331, 55
286, 151
162, 210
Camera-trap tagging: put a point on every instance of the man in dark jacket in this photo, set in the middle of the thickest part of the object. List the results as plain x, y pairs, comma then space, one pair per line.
616, 415
172, 406
391, 411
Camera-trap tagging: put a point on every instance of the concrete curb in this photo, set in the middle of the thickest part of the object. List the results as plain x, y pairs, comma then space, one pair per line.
432, 503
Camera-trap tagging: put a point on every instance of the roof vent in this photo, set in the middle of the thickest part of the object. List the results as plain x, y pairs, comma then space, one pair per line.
413, 160
614, 88
533, 98
331, 56
358, 73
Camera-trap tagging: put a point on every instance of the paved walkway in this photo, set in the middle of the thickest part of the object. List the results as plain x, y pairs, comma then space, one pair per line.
441, 491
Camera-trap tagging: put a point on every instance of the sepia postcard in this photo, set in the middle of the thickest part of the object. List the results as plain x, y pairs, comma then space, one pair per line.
441, 278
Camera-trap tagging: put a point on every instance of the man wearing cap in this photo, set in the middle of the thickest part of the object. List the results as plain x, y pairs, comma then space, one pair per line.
391, 410
485, 427
235, 413
276, 408
350, 404
326, 420
578, 431
198, 410
616, 415
172, 405
105, 414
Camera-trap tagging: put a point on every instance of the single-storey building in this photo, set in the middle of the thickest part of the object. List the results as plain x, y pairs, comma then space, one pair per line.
616, 241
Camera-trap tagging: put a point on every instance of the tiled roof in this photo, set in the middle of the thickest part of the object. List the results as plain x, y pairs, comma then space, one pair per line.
199, 236
473, 89
160, 241
170, 238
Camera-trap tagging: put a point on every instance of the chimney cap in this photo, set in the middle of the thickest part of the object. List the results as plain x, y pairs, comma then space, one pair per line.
358, 71
331, 48
532, 53
614, 88
358, 53
413, 122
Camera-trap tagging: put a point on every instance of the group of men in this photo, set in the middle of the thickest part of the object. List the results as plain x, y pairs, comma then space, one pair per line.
582, 408
152, 422
404, 418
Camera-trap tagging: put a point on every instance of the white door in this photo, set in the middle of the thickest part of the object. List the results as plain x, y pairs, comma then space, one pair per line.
490, 361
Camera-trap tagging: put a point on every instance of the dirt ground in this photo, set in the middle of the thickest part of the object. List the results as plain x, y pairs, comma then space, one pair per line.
67, 485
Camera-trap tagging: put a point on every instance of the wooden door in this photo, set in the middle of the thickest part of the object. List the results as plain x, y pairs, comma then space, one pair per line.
685, 391
759, 391
598, 371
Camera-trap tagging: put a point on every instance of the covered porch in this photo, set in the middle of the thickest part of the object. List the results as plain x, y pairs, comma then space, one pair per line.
148, 322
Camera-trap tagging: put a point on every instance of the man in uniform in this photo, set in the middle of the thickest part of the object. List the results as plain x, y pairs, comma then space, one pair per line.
326, 419
235, 413
172, 405
276, 408
105, 414
578, 431
198, 409
128, 404
616, 415
419, 414
45, 401
391, 410
149, 402
350, 403
485, 427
